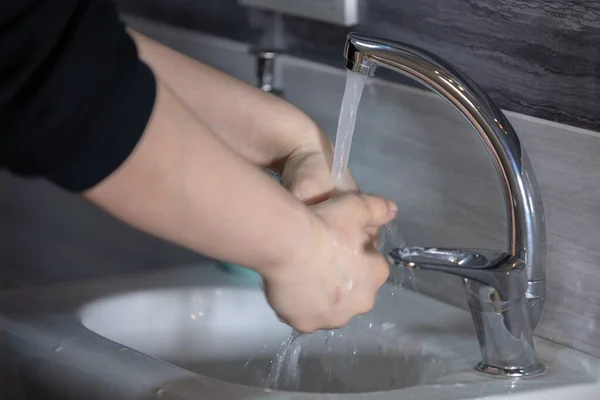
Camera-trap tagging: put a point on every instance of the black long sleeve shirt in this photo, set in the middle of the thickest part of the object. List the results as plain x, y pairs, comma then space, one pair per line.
74, 96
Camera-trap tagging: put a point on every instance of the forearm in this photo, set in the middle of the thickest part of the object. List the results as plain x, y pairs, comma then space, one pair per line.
182, 183
259, 126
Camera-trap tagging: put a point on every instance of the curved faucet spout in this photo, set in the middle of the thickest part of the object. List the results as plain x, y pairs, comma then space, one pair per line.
526, 254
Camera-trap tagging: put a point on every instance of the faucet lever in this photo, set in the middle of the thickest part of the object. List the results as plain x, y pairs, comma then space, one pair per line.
500, 271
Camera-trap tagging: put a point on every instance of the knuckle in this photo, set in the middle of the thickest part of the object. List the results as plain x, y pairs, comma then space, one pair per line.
376, 204
372, 231
380, 204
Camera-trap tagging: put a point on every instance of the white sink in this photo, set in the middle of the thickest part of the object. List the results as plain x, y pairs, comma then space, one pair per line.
409, 346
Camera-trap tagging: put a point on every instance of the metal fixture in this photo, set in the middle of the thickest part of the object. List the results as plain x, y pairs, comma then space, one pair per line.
505, 291
265, 70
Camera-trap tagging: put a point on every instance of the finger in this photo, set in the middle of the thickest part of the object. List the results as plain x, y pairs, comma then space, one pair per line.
381, 271
372, 230
310, 191
377, 210
373, 235
313, 188
379, 268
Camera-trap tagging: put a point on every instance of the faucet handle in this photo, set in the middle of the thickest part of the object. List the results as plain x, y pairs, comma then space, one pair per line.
500, 271
266, 69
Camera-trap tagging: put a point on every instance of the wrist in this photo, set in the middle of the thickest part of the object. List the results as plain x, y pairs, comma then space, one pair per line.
291, 244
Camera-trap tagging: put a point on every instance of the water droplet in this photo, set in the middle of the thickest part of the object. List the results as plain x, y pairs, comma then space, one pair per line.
161, 391
63, 343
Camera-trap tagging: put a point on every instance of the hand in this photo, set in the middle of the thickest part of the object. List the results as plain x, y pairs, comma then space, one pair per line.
307, 174
337, 272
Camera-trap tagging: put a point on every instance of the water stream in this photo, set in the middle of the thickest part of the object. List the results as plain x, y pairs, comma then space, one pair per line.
355, 84
284, 373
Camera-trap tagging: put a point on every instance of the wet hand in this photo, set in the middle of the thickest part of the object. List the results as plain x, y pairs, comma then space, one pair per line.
307, 175
336, 272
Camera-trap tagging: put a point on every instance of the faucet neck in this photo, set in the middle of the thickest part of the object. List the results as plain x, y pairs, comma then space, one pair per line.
526, 237
506, 333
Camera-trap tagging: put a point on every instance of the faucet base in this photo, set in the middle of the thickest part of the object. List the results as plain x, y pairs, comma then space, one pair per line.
517, 372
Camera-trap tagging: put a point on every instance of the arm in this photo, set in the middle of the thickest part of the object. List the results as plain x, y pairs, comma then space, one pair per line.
264, 129
184, 184
76, 121
113, 133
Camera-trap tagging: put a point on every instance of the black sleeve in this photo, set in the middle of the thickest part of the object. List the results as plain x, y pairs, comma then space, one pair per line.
74, 96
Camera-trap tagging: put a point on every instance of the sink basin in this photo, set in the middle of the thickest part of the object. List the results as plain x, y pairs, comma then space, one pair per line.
232, 335
198, 332
410, 346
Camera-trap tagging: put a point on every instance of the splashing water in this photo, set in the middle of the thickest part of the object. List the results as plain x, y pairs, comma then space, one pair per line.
285, 369
389, 239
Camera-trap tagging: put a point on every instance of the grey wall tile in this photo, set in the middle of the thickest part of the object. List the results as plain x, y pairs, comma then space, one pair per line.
48, 236
539, 58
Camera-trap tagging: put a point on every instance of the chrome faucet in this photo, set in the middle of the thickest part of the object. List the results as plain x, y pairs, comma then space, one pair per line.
505, 290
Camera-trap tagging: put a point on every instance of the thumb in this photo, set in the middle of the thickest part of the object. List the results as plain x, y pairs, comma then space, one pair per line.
377, 211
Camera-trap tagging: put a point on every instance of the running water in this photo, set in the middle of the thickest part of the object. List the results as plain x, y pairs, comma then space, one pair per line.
355, 84
284, 373
389, 237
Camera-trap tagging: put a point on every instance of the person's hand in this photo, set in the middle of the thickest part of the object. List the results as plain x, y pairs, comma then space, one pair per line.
336, 272
307, 175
